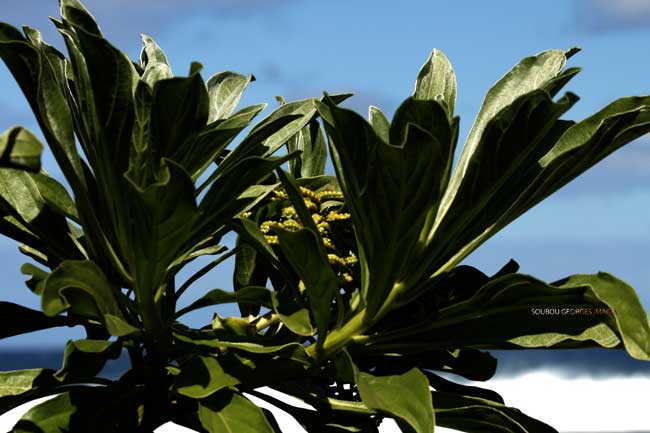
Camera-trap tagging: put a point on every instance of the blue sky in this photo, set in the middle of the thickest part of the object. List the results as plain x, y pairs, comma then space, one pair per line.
300, 48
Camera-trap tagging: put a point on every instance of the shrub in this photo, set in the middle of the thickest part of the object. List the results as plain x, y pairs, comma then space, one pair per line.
350, 287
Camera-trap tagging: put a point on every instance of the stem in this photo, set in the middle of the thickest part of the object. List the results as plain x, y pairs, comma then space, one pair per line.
338, 338
204, 270
355, 327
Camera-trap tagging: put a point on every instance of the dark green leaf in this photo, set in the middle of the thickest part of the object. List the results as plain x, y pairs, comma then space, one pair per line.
473, 414
581, 311
179, 111
84, 359
311, 142
229, 194
303, 251
167, 217
16, 320
488, 190
246, 295
325, 419
305, 108
82, 287
87, 409
382, 182
213, 140
624, 316
254, 344
37, 79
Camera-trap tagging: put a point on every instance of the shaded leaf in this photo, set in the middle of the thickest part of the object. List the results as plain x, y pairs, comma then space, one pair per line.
93, 409
311, 142
202, 376
292, 313
400, 185
84, 359
473, 414
302, 251
82, 287
16, 319
246, 295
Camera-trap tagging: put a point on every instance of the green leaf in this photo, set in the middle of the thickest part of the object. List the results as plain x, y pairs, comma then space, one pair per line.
436, 81
18, 386
439, 383
311, 142
82, 287
580, 311
21, 193
228, 195
292, 313
254, 144
531, 74
16, 319
19, 148
202, 376
225, 90
398, 182
37, 281
631, 320
84, 359
406, 397
230, 412
517, 109
168, 226
473, 414
278, 127
214, 138
179, 111
325, 419
36, 68
246, 295
109, 79
95, 409
379, 123
484, 198
28, 193
154, 62
248, 344
303, 252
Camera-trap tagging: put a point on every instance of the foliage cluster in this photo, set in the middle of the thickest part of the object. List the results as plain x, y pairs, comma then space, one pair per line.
350, 287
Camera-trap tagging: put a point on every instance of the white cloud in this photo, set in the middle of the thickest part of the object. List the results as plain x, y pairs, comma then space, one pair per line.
603, 15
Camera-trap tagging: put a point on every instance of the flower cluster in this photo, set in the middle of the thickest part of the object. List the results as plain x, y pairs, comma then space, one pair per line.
333, 224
